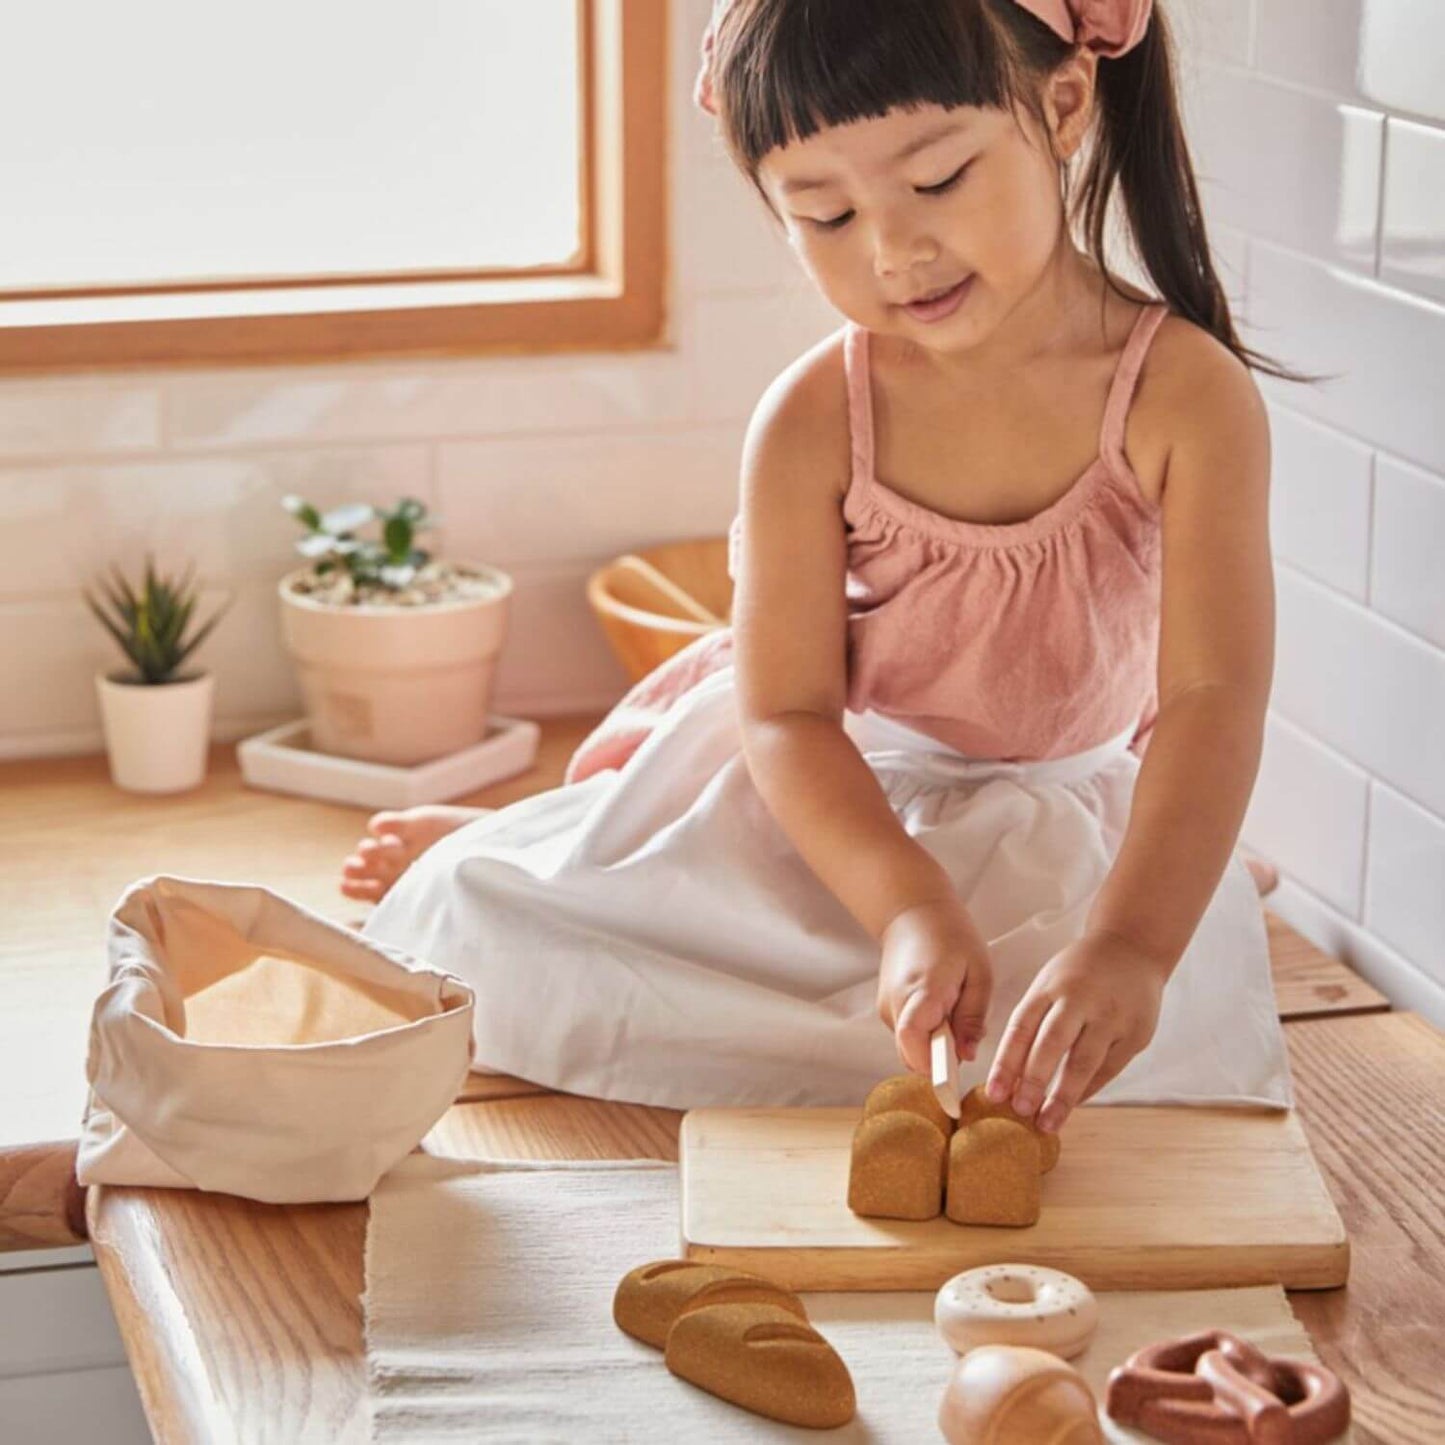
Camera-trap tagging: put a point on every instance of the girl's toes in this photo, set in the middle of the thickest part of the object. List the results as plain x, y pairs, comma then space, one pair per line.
364, 890
370, 867
382, 852
383, 824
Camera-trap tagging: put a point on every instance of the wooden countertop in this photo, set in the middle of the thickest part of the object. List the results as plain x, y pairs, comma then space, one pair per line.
243, 1321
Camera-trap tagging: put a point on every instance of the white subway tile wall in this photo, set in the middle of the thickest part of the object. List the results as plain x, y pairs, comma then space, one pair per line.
1320, 128
1329, 856
1412, 240
1315, 182
1404, 902
1409, 580
1320, 501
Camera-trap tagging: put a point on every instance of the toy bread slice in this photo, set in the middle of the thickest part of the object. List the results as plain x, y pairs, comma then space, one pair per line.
765, 1359
897, 1169
977, 1105
911, 1093
652, 1296
993, 1174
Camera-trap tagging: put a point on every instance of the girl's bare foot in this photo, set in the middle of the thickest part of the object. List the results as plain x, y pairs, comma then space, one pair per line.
394, 842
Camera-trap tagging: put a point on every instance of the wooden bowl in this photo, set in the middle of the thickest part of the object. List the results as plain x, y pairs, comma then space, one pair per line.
653, 603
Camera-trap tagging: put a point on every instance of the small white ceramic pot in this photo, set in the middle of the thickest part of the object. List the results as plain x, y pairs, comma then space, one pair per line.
156, 734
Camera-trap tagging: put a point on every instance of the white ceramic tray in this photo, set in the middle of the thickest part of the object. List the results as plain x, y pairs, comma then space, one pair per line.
281, 761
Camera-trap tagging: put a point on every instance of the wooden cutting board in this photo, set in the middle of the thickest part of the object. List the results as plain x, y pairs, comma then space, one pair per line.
1141, 1198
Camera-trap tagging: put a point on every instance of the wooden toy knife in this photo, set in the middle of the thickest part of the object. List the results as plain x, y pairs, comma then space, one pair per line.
944, 1059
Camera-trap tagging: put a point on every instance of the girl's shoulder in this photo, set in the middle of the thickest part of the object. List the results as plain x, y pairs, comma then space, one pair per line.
804, 414
817, 378
1190, 385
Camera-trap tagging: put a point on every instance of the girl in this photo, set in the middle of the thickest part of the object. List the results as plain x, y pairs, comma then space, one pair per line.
1001, 530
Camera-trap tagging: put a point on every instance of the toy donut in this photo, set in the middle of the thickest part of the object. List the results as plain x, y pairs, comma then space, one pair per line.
1017, 1304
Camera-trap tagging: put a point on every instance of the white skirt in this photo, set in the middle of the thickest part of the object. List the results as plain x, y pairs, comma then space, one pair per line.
651, 935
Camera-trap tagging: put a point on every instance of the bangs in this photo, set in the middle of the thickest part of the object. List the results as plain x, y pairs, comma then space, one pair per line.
785, 69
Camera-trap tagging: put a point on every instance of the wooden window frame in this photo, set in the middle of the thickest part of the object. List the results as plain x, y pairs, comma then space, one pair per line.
611, 295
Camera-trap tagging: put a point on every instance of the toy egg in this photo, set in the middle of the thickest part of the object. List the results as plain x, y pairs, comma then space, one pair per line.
1007, 1394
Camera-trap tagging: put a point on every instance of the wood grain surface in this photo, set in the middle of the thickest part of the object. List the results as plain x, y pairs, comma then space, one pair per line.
1372, 1093
1125, 1208
1308, 983
41, 1204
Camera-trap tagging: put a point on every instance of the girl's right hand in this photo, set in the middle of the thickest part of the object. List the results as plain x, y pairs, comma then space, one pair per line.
935, 969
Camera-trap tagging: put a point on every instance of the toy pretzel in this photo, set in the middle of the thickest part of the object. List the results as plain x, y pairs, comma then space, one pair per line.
1216, 1389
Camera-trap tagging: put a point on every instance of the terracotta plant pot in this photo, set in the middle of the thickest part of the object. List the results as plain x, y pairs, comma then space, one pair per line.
400, 685
156, 734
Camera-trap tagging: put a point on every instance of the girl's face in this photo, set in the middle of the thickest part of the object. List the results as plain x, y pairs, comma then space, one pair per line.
890, 212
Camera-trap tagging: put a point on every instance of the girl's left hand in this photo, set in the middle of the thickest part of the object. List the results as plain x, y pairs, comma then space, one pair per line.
1096, 1002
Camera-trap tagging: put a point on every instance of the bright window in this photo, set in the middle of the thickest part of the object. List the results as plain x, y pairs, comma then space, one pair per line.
330, 137
182, 189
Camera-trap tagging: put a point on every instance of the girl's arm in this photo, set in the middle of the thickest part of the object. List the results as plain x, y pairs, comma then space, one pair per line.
1216, 661
790, 620
1095, 1005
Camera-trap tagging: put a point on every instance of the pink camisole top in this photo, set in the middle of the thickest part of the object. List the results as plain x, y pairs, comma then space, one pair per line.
1011, 642
1014, 641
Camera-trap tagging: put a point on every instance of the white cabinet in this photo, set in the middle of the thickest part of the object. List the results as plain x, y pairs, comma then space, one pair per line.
63, 1373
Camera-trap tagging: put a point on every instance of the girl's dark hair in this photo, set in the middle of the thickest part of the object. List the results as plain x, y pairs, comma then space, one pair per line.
785, 69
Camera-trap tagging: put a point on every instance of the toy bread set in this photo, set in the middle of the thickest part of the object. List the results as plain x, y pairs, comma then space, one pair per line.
739, 1337
941, 1175
910, 1160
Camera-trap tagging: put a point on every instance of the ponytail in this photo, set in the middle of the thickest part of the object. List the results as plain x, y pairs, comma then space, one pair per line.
1139, 146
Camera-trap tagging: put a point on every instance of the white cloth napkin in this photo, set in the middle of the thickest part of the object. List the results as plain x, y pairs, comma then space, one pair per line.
489, 1317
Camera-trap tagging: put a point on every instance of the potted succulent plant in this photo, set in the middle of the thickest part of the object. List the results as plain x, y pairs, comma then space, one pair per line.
395, 649
156, 718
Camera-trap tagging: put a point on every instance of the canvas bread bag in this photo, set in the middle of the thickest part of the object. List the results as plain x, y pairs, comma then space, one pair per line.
247, 1045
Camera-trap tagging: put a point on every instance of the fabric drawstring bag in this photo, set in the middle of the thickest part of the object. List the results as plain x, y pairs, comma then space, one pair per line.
246, 1045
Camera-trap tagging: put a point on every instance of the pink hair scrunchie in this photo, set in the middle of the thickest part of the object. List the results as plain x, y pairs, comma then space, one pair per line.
1107, 27
702, 91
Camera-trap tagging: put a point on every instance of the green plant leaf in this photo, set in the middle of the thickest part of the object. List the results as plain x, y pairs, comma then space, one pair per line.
205, 631
126, 602
122, 639
303, 511
154, 626
398, 536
